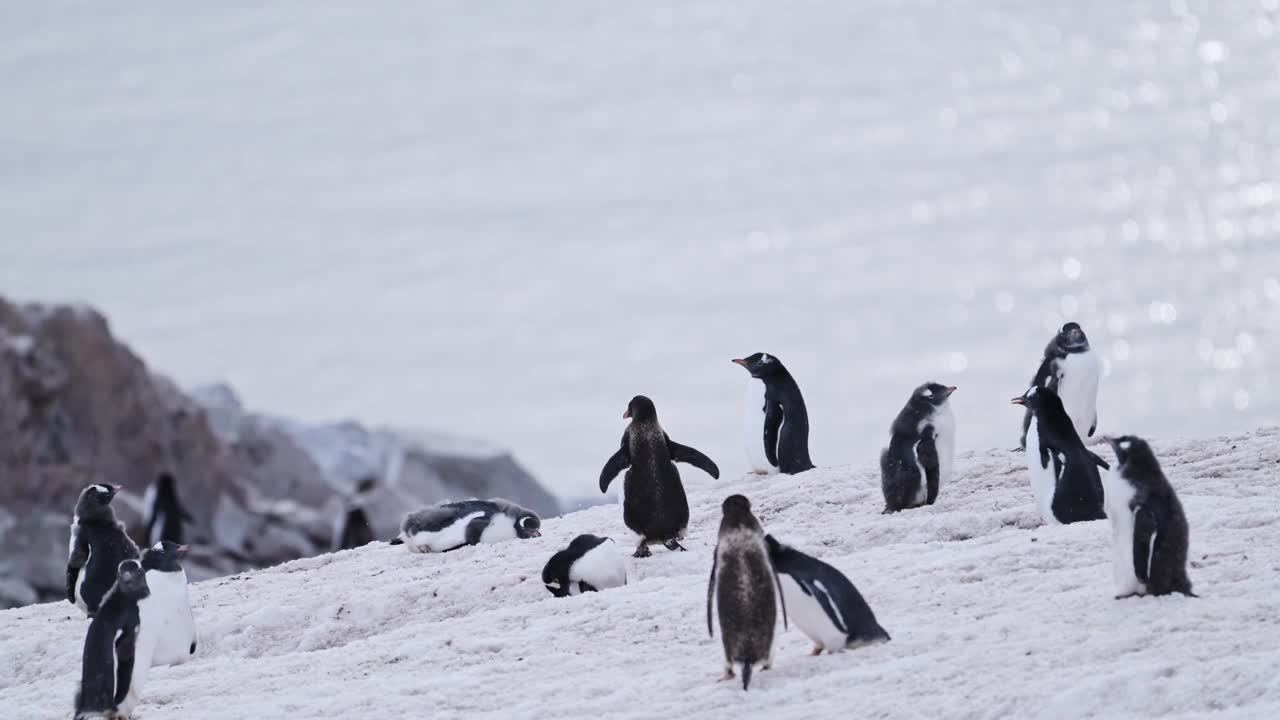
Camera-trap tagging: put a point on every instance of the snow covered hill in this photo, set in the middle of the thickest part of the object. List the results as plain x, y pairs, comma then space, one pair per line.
992, 615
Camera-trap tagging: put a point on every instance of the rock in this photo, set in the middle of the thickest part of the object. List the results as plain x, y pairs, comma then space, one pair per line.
77, 406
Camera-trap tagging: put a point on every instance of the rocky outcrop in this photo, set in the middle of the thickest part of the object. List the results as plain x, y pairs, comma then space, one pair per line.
76, 406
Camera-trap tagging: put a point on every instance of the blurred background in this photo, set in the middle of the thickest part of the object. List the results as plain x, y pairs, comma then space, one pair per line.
502, 222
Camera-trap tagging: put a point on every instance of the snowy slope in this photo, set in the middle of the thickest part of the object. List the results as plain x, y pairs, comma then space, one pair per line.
991, 615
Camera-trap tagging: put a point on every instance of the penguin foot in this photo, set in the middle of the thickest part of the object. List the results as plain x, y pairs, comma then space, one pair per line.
817, 650
642, 551
887, 510
728, 675
672, 544
1019, 449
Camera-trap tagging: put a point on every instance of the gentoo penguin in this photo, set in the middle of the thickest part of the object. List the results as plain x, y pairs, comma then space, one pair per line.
354, 531
589, 564
922, 449
1150, 529
166, 629
98, 544
745, 591
777, 425
822, 602
165, 515
449, 526
1071, 369
108, 659
1064, 474
654, 505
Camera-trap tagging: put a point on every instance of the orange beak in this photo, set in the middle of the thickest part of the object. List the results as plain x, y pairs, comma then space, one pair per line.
951, 389
741, 362
1019, 400
627, 414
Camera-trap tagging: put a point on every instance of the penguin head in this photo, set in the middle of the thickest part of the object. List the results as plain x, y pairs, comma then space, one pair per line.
96, 499
528, 526
760, 365
640, 409
931, 394
131, 579
1130, 449
164, 556
1037, 399
1072, 338
737, 514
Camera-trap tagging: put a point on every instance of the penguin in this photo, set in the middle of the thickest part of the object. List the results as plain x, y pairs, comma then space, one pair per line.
165, 514
590, 563
1064, 474
922, 449
166, 629
1147, 522
98, 544
1073, 370
777, 424
449, 526
108, 659
744, 590
354, 531
654, 505
822, 602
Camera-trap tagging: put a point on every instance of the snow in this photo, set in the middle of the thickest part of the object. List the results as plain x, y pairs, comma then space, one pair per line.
992, 613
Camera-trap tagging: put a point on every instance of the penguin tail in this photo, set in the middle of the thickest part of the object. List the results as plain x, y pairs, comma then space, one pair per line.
746, 675
396, 541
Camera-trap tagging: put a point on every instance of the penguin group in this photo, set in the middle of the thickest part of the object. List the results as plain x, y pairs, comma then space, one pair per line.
140, 614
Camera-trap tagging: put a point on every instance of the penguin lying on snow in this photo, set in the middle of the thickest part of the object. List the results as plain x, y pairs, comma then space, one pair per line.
744, 590
822, 602
777, 424
654, 505
1147, 522
449, 526
98, 544
922, 449
1064, 474
166, 629
1073, 370
108, 659
589, 564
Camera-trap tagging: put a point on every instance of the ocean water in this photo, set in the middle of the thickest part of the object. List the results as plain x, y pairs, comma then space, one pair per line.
506, 221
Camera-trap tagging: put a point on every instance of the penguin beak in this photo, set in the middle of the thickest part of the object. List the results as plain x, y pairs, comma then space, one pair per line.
951, 389
117, 488
741, 362
536, 533
1020, 400
182, 550
626, 415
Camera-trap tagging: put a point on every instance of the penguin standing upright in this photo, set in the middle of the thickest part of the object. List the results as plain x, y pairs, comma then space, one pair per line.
108, 659
822, 602
166, 629
354, 531
165, 514
98, 544
777, 424
654, 505
450, 526
1073, 370
922, 449
1064, 474
590, 564
745, 591
1148, 524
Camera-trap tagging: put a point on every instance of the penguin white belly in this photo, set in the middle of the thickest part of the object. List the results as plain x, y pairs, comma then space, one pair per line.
1117, 495
1043, 481
807, 614
753, 428
445, 538
922, 490
84, 572
601, 567
170, 617
944, 424
501, 527
1078, 389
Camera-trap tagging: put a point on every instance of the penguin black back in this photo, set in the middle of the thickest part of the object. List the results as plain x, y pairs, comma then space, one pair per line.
841, 609
165, 513
786, 420
107, 661
1161, 535
654, 505
98, 544
355, 530
1077, 486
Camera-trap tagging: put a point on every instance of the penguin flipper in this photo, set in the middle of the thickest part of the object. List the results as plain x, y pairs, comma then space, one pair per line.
1100, 462
686, 454
772, 423
711, 589
927, 453
617, 462
126, 644
475, 529
1144, 527
76, 560
782, 601
73, 574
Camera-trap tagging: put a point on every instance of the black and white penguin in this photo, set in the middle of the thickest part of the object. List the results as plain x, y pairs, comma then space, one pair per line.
98, 544
776, 426
1064, 474
922, 449
108, 660
354, 531
590, 563
449, 526
166, 628
744, 590
165, 514
822, 602
1147, 521
1073, 370
654, 505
